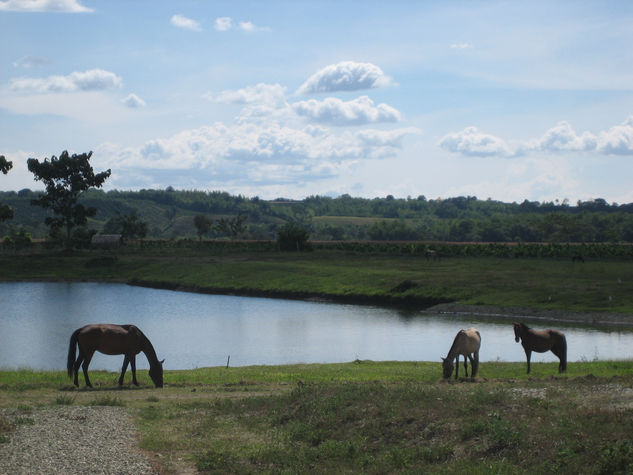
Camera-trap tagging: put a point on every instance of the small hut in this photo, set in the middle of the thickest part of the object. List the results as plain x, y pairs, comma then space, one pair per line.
106, 241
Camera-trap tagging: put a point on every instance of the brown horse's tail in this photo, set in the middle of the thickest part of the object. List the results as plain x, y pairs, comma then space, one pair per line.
72, 350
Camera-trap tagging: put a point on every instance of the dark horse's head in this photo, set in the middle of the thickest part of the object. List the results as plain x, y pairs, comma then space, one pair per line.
447, 367
518, 331
156, 373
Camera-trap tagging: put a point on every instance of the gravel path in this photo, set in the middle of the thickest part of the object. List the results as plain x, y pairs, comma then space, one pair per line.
73, 440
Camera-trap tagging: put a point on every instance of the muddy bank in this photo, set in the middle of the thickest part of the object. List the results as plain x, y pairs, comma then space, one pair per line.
356, 299
513, 313
431, 305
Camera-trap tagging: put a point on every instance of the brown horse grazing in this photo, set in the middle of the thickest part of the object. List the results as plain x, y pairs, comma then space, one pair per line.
110, 339
542, 341
467, 343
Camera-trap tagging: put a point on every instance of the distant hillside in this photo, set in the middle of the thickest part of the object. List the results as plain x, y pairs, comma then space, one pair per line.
170, 214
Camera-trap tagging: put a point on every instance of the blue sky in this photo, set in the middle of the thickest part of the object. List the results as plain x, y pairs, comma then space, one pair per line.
495, 99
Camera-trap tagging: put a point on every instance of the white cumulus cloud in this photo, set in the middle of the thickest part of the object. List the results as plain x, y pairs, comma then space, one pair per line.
247, 153
247, 26
250, 27
223, 23
226, 23
345, 76
618, 140
133, 101
58, 6
563, 137
358, 111
474, 143
181, 21
31, 61
260, 93
91, 80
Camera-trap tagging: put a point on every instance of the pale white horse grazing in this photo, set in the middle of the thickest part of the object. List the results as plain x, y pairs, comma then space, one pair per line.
467, 343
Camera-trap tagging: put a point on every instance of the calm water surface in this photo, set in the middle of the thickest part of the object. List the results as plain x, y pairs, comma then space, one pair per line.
195, 330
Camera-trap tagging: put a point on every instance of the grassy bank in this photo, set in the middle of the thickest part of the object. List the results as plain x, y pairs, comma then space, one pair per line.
363, 417
602, 286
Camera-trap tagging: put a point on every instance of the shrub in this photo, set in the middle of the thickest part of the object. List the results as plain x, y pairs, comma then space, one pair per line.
293, 237
17, 239
81, 238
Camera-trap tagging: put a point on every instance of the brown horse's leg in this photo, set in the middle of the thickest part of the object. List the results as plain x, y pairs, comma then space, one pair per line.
457, 367
84, 367
475, 365
133, 365
126, 361
466, 366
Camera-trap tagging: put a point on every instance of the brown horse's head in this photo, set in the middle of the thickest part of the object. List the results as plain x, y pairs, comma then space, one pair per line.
517, 331
447, 367
156, 373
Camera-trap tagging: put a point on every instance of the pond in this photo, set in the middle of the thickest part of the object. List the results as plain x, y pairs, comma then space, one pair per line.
196, 330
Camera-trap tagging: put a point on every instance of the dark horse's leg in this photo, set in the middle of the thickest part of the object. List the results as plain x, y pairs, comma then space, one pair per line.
133, 365
126, 360
84, 367
528, 355
131, 360
76, 366
560, 350
457, 367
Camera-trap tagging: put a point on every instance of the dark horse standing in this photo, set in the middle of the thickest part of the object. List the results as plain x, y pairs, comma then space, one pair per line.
110, 339
542, 341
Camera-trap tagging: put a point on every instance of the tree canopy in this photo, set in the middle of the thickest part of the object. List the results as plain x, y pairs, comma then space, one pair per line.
171, 214
5, 211
65, 179
129, 226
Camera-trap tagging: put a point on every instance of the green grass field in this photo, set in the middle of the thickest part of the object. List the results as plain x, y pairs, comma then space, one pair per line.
596, 286
359, 417
362, 417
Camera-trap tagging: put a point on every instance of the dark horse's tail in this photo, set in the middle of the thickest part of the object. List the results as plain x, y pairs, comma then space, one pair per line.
563, 355
72, 350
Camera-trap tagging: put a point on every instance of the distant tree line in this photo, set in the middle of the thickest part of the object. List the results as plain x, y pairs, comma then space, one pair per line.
73, 207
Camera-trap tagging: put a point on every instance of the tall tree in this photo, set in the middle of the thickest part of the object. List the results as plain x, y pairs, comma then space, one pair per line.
5, 211
130, 226
202, 224
66, 178
232, 226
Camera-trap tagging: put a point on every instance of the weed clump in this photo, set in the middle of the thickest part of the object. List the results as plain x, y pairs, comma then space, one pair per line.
106, 401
